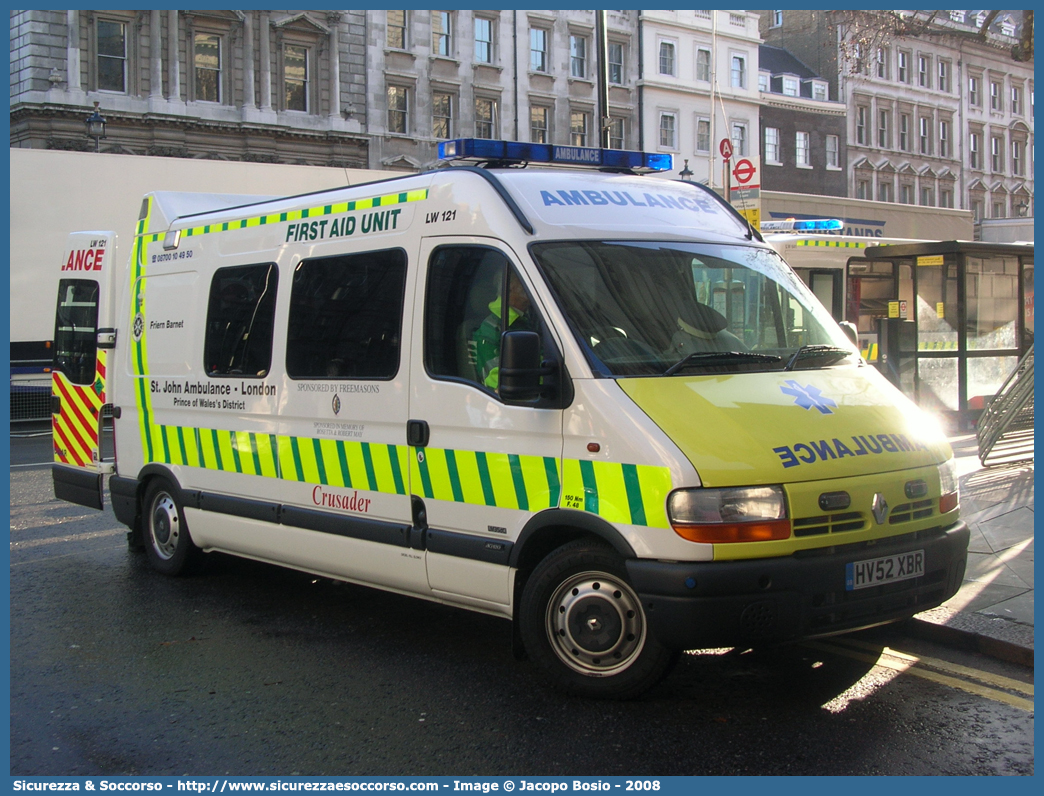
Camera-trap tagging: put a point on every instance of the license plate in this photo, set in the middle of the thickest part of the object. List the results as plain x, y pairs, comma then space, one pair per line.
887, 569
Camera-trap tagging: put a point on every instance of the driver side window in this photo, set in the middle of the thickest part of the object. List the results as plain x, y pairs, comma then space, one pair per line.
473, 297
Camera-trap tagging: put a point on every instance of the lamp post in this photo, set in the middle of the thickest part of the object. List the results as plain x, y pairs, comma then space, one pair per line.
95, 125
686, 172
1021, 208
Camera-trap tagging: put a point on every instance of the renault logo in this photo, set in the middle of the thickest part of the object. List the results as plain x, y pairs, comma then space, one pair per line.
880, 508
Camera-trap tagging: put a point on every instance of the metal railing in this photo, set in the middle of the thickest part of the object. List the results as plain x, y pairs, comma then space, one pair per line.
1005, 431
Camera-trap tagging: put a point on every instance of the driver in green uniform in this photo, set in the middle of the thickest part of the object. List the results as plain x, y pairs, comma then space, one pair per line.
486, 339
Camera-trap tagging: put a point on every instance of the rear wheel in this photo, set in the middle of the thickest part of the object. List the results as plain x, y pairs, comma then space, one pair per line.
584, 626
168, 544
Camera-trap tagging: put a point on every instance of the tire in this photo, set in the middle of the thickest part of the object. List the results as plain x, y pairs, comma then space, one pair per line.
168, 543
584, 626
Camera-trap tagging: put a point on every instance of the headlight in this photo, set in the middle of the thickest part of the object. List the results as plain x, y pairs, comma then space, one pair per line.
731, 514
949, 497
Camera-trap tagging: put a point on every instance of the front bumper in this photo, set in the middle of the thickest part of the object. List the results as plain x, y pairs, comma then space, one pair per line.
701, 604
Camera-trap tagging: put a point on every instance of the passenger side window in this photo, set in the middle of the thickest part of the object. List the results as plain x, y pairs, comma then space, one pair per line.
468, 288
240, 320
346, 316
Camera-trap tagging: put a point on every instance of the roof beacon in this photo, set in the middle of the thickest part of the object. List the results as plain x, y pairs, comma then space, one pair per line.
810, 225
516, 152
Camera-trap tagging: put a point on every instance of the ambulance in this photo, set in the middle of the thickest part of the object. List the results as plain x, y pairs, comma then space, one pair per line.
539, 382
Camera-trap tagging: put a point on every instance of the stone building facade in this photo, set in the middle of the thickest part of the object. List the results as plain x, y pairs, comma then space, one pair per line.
941, 119
518, 75
270, 86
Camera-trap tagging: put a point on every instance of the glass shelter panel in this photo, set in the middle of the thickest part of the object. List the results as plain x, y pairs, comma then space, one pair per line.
992, 295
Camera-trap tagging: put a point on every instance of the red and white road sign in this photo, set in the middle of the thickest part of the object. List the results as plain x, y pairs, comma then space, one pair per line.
725, 147
744, 172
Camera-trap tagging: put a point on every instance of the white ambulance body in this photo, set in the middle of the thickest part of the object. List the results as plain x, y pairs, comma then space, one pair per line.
663, 443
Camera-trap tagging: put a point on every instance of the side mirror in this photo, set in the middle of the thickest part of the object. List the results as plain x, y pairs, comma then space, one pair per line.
850, 331
520, 369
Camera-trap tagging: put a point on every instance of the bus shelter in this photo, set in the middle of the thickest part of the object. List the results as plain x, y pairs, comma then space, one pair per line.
961, 318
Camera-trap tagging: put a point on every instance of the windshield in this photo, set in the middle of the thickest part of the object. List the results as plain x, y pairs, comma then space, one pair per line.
647, 308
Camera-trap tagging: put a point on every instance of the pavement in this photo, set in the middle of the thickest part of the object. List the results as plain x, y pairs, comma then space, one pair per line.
993, 611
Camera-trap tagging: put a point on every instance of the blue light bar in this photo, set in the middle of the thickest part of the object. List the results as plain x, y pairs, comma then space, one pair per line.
810, 225
522, 152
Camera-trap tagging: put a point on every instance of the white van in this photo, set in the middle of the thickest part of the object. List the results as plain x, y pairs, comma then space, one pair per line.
664, 442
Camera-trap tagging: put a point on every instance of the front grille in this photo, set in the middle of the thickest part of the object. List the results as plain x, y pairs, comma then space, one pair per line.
829, 523
907, 512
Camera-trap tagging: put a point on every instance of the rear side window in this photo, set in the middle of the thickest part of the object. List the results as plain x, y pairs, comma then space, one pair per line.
76, 321
239, 321
346, 316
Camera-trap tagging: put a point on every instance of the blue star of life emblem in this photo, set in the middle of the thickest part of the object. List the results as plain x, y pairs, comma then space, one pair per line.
808, 397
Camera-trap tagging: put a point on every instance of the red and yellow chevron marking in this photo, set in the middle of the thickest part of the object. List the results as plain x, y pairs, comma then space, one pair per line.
75, 427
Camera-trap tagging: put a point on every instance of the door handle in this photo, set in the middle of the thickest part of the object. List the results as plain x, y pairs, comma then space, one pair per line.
417, 433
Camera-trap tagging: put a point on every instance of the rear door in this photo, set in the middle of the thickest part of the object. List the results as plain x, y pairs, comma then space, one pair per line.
83, 337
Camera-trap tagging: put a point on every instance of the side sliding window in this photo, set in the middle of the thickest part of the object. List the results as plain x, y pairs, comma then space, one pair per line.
240, 317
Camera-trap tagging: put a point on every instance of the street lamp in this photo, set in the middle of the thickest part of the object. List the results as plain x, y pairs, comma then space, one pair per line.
95, 124
1021, 208
686, 172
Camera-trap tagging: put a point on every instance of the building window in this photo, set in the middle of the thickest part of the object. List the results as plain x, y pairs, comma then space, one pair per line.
207, 63
820, 91
577, 56
882, 62
777, 19
441, 31
738, 74
703, 65
538, 49
974, 148
802, 151
485, 118
739, 139
666, 58
616, 63
442, 114
397, 30
398, 110
904, 67
790, 87
927, 197
944, 139
946, 198
1016, 158
483, 40
996, 101
861, 125
997, 155
974, 92
772, 145
668, 130
906, 194
884, 192
703, 141
112, 56
944, 76
924, 71
538, 126
884, 138
904, 132
924, 136
998, 210
617, 132
833, 152
863, 189
295, 77
764, 81
1016, 100
579, 121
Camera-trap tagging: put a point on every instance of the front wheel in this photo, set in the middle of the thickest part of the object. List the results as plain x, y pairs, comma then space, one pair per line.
584, 626
168, 544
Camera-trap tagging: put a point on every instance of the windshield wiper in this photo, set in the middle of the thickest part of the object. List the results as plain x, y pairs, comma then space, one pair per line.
720, 358
809, 351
